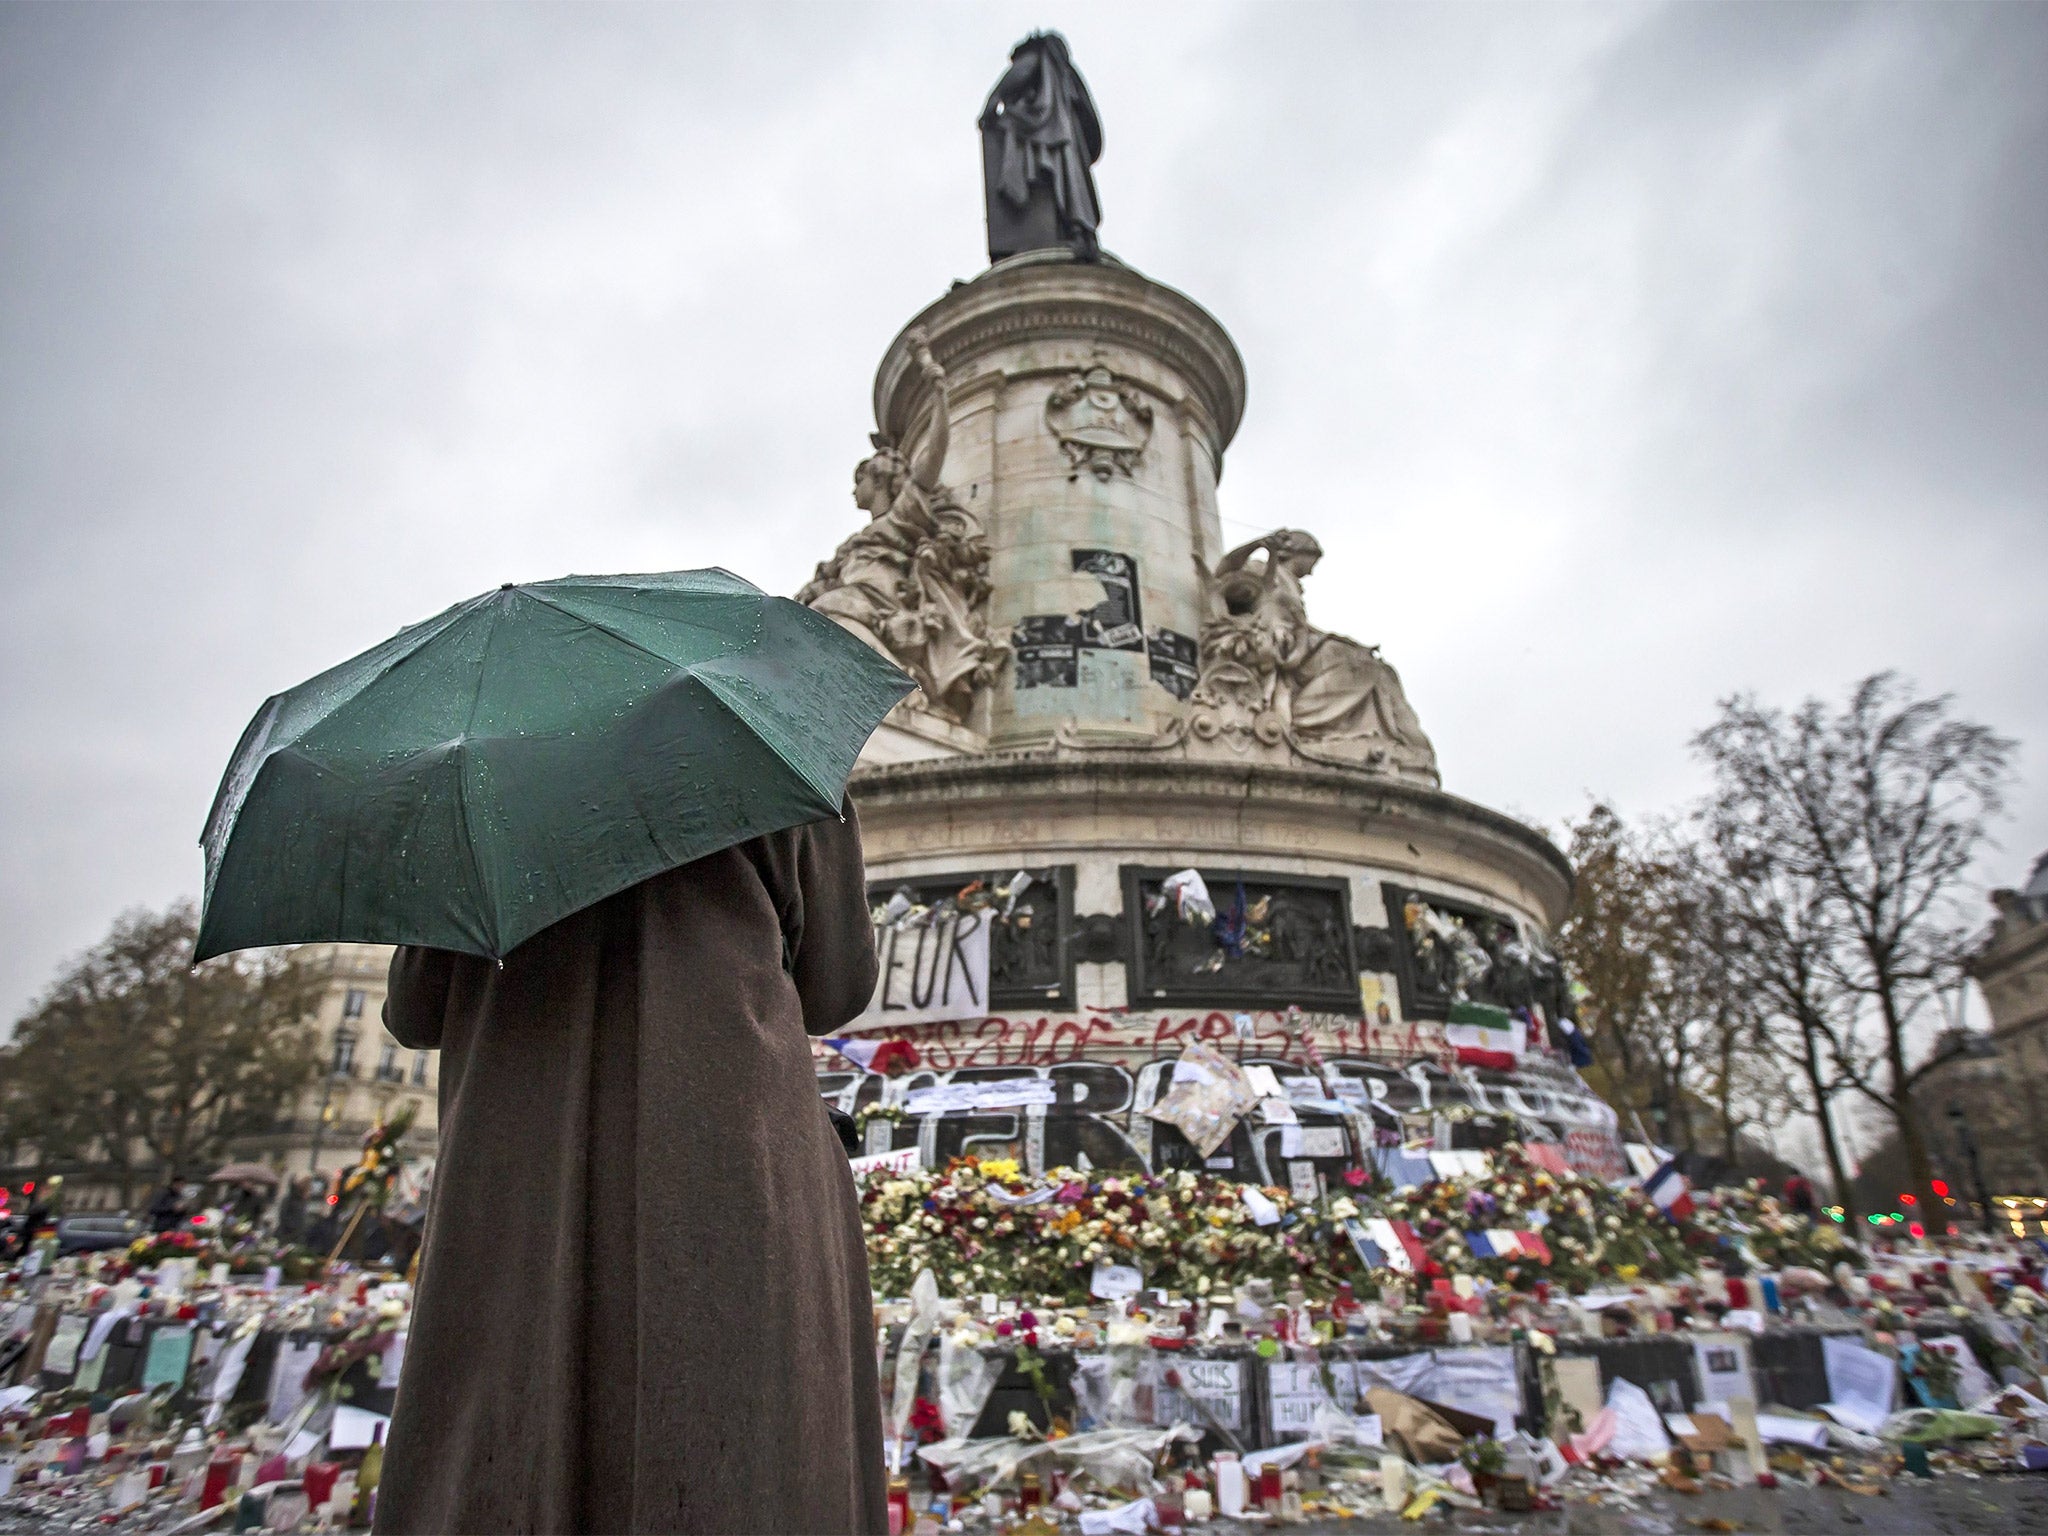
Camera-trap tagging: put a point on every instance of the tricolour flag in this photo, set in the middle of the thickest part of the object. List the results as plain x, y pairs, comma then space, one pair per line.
1504, 1244
1670, 1191
1484, 1036
874, 1055
1534, 1246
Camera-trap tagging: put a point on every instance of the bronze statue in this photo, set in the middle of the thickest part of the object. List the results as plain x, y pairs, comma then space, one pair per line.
1039, 135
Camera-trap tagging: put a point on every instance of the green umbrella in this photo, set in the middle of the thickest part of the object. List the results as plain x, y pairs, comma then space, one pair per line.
531, 751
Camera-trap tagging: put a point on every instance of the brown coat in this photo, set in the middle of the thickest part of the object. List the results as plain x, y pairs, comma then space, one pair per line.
643, 1298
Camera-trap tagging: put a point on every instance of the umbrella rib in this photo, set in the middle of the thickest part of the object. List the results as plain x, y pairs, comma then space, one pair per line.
605, 629
485, 907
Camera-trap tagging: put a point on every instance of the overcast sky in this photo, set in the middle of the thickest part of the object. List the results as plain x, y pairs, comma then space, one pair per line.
1621, 357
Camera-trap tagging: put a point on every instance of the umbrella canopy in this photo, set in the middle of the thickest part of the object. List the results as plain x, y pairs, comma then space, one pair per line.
243, 1173
529, 752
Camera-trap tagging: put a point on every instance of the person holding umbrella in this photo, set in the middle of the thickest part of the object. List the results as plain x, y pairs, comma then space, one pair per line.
605, 819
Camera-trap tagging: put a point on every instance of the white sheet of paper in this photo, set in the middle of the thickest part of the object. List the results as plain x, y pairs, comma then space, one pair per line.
1783, 1429
1639, 1433
1722, 1360
62, 1354
1132, 1519
1301, 1183
354, 1428
102, 1326
1861, 1384
1264, 1212
288, 1376
1115, 1281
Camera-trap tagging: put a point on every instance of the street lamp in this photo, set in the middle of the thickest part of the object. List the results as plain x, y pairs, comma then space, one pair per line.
1968, 1143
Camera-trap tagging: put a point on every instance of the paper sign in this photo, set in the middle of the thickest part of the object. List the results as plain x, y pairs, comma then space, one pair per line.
1639, 1433
1295, 1391
288, 1376
170, 1352
1215, 1384
1578, 1385
1722, 1360
903, 1160
62, 1354
930, 972
354, 1428
1312, 1141
1012, 1093
1861, 1383
1115, 1281
1263, 1083
1301, 1182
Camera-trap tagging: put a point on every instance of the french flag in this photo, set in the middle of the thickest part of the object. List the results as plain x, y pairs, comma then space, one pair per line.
1669, 1190
874, 1055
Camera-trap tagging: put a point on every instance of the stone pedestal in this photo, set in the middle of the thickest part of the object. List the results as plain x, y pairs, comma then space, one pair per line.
1089, 411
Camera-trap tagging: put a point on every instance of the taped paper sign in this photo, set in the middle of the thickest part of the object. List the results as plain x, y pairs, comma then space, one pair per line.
1015, 1093
1295, 1392
931, 972
901, 1161
1216, 1385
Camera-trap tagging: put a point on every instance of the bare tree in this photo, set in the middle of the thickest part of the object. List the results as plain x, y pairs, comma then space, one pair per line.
1647, 937
135, 1060
1782, 967
1869, 818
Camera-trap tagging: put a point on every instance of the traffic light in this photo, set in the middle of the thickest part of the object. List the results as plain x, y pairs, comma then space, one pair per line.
1940, 1187
1917, 1230
1906, 1199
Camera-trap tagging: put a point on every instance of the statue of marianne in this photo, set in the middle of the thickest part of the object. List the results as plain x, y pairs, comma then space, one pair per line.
1039, 135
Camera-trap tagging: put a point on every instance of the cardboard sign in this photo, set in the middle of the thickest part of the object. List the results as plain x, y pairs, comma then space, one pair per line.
931, 972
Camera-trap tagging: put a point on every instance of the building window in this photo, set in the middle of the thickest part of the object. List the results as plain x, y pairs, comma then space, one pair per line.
352, 1005
344, 1053
387, 1064
419, 1069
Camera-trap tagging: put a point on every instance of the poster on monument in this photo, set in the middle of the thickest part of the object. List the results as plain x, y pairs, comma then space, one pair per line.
932, 972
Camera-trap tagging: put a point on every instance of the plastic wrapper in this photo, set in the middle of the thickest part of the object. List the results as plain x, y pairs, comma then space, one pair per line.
965, 1381
1208, 1097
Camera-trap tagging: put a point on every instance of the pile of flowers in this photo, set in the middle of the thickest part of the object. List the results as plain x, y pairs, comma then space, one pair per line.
987, 1226
1765, 1233
1597, 1234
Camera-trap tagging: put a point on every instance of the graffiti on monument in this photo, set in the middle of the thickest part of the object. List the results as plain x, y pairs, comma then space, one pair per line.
1073, 1091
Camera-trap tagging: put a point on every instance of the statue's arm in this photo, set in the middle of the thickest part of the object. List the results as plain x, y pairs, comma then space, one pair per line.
931, 453
1016, 79
1235, 560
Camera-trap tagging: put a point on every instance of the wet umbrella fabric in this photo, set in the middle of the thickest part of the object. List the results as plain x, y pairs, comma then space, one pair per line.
486, 773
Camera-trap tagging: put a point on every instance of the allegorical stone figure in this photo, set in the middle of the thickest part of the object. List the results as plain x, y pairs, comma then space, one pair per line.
1039, 135
914, 581
1326, 692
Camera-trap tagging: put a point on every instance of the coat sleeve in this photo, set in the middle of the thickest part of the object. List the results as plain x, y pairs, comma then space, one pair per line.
832, 958
416, 996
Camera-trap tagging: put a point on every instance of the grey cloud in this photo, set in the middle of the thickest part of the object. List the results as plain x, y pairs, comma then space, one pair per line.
1622, 356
